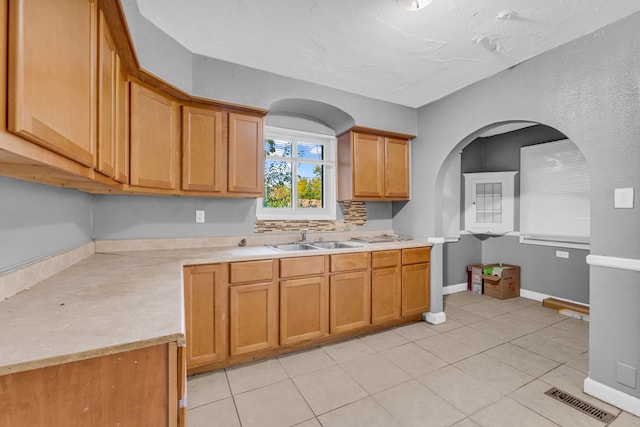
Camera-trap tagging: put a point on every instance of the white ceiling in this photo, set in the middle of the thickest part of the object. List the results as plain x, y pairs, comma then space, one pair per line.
376, 48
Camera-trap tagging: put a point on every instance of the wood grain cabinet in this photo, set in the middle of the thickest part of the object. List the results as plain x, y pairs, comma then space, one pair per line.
205, 296
253, 307
246, 155
52, 75
386, 285
155, 135
139, 387
304, 299
222, 152
349, 292
204, 149
372, 166
415, 281
113, 109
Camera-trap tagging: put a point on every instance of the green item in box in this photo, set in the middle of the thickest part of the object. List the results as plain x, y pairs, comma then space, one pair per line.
488, 270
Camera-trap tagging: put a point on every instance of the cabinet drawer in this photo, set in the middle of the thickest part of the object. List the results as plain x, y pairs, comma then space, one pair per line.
348, 262
383, 259
415, 255
251, 271
306, 266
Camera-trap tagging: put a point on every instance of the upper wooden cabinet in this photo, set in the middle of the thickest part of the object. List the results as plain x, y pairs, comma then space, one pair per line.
106, 100
222, 152
246, 154
204, 149
52, 75
155, 132
373, 166
121, 124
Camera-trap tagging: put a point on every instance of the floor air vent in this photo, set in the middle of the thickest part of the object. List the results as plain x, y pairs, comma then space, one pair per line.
580, 405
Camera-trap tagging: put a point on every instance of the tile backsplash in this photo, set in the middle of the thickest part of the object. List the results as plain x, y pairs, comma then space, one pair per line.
355, 215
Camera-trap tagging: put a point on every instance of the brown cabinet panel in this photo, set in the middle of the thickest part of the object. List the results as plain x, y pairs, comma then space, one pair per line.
246, 154
385, 295
205, 313
131, 388
415, 289
52, 75
396, 168
304, 309
121, 124
106, 100
251, 271
154, 140
368, 165
350, 301
415, 255
204, 149
302, 266
381, 259
253, 316
349, 262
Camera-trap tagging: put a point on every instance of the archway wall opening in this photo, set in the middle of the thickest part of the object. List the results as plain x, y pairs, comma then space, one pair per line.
589, 89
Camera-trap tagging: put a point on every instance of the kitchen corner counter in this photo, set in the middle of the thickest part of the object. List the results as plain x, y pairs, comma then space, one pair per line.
116, 301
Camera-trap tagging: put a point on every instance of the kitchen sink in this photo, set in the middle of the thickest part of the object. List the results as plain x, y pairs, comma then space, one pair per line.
336, 245
287, 247
304, 246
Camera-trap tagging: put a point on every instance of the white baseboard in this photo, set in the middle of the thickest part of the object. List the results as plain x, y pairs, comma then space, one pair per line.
614, 397
452, 289
538, 296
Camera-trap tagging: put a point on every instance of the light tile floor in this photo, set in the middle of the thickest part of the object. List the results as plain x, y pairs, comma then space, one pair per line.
488, 365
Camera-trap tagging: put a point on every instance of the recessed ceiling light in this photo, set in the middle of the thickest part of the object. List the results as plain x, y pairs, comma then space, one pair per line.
414, 4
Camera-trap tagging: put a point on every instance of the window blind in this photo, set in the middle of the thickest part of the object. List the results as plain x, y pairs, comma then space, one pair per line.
555, 194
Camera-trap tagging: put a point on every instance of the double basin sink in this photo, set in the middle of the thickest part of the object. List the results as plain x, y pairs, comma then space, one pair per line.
306, 246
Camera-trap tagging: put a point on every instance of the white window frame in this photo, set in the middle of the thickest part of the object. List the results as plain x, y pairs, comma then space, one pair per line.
532, 232
507, 201
328, 212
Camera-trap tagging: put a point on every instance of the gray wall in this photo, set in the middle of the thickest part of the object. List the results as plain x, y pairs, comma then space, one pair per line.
541, 270
37, 221
588, 89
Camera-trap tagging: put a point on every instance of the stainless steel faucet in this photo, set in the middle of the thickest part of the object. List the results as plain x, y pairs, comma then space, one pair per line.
303, 236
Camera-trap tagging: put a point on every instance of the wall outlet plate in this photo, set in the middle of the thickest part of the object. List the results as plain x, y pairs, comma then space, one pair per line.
623, 198
199, 217
562, 254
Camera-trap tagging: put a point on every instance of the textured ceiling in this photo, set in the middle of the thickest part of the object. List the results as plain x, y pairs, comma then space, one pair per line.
376, 48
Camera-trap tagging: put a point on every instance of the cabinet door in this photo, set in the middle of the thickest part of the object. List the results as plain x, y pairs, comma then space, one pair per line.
385, 295
122, 124
396, 171
415, 289
106, 100
253, 315
154, 139
205, 313
368, 165
304, 309
350, 301
52, 75
204, 151
246, 155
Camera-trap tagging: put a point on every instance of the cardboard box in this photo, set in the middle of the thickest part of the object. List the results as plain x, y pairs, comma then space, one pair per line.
506, 286
476, 278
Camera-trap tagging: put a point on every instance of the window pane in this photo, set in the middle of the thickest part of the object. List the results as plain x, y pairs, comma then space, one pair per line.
479, 188
310, 186
277, 184
275, 147
309, 150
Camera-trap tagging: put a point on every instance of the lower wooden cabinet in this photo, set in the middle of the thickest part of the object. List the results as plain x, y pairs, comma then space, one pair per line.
239, 311
132, 388
205, 296
304, 309
415, 289
350, 306
253, 316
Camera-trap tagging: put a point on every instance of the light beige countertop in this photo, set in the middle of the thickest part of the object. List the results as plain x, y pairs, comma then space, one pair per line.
115, 301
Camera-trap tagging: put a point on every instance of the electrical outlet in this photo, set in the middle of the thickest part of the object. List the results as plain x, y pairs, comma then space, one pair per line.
199, 217
623, 198
562, 254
